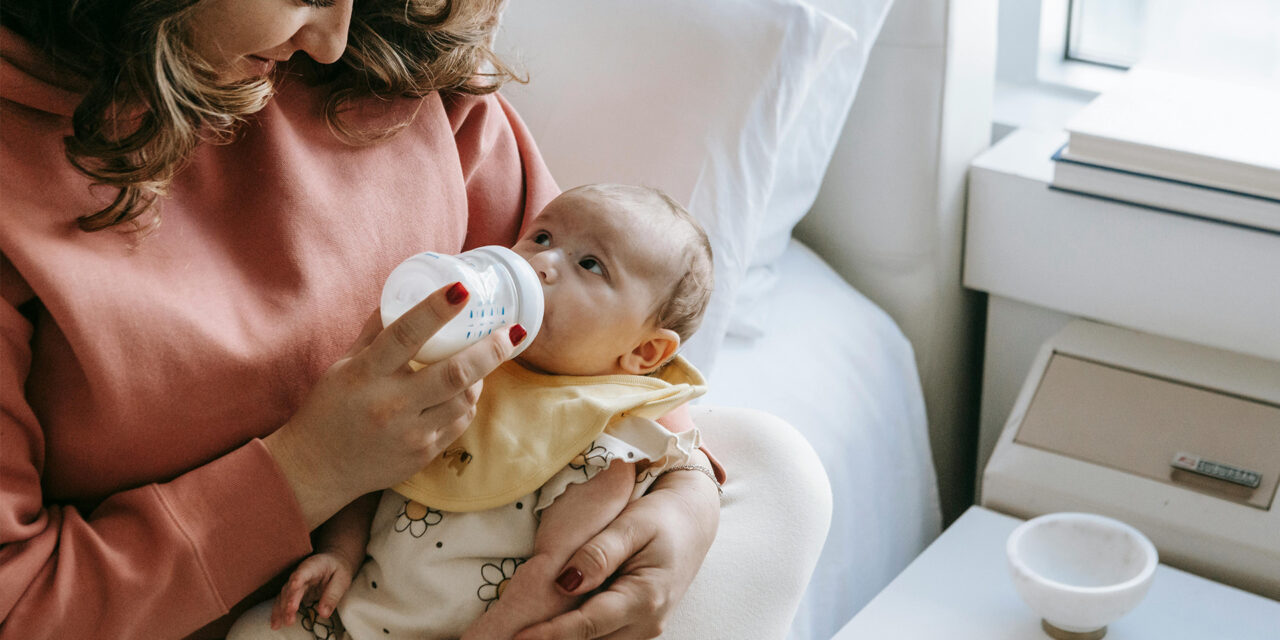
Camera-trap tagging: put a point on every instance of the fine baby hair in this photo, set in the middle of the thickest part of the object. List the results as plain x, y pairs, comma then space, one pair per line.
683, 308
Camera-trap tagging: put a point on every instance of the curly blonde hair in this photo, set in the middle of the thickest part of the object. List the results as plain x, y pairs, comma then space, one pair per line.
138, 61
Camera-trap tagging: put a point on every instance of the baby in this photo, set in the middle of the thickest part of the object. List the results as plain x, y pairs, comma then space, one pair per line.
564, 437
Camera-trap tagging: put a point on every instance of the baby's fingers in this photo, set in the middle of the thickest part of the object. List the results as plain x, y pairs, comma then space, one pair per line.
333, 592
285, 610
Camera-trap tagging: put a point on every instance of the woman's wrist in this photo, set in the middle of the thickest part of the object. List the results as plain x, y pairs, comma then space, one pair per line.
703, 469
301, 470
698, 488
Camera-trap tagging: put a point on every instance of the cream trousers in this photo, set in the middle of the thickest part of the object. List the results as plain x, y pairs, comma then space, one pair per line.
773, 522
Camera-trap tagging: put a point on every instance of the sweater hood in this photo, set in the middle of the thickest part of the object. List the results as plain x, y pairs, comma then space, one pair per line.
28, 78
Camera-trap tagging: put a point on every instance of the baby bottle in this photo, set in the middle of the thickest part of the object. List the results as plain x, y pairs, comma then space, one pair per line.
503, 288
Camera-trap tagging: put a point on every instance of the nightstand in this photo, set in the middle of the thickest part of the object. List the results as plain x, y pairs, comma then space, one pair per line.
1046, 257
959, 589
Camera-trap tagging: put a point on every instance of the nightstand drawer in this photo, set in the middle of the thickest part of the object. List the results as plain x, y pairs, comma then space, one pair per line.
1109, 421
1180, 434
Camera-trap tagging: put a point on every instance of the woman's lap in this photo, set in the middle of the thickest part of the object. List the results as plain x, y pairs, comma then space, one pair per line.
773, 523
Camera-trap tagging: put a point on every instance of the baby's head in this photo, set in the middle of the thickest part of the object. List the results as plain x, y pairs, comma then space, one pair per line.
626, 272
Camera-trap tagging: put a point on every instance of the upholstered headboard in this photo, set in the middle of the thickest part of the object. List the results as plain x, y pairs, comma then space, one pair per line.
890, 215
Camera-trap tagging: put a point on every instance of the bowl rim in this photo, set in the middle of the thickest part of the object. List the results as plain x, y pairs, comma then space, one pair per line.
1149, 551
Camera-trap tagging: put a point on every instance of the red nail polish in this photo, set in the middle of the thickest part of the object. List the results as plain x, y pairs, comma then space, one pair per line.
456, 293
517, 334
569, 579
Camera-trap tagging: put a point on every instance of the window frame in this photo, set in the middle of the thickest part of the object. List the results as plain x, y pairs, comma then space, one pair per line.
1052, 64
1036, 84
1074, 7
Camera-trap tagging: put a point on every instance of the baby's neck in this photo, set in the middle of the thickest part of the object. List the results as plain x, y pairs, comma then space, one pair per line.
616, 371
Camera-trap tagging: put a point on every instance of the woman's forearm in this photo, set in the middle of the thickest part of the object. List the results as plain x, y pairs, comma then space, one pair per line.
157, 561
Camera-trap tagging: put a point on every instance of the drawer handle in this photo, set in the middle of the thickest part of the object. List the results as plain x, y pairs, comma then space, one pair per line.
1209, 468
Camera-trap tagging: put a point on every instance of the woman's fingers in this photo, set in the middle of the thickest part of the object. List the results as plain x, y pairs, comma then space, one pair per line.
438, 382
396, 344
372, 327
596, 618
655, 547
450, 418
616, 614
601, 556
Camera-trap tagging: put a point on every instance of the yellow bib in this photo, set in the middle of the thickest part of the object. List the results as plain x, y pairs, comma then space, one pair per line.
529, 425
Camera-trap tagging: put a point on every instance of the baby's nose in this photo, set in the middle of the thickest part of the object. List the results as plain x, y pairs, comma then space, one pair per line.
546, 264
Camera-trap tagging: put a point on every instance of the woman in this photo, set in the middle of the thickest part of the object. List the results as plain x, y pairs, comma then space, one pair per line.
200, 201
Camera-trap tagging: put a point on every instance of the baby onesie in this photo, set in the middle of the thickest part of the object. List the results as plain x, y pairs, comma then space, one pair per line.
444, 543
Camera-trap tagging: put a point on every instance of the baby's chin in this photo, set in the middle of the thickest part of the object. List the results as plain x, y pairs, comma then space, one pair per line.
542, 358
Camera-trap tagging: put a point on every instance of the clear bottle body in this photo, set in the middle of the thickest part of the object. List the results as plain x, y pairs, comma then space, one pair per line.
503, 290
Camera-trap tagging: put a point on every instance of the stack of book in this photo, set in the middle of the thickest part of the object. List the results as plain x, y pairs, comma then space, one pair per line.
1198, 147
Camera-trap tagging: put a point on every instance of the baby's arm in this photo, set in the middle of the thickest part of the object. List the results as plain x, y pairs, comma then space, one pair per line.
326, 574
574, 518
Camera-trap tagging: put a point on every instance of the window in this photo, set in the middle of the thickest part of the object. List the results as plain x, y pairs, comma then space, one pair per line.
1107, 32
1053, 56
1217, 37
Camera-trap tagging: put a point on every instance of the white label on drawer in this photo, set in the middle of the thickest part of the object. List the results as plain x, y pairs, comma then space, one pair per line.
1218, 470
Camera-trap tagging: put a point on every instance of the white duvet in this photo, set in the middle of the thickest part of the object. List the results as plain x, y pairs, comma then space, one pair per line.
836, 367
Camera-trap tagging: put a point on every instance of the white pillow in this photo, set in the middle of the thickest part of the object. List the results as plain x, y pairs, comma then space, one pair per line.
708, 100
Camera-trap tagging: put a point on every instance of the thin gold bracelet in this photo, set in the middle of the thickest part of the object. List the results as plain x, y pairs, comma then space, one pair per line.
696, 467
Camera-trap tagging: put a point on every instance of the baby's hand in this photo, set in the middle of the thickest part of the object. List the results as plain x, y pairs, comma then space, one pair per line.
323, 576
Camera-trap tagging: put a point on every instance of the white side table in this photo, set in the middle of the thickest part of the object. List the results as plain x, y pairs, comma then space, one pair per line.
959, 588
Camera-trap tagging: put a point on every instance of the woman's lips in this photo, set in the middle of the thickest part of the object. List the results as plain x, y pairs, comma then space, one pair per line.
260, 66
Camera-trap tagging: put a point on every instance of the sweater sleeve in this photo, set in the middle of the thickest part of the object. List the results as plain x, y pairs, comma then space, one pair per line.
507, 181
155, 561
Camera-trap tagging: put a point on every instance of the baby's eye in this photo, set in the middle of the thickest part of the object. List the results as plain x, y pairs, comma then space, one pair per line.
592, 265
542, 238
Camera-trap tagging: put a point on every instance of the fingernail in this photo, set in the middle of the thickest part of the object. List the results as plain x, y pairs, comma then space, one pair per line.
570, 579
456, 293
517, 335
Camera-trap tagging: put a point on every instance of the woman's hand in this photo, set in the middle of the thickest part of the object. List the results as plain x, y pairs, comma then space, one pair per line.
371, 421
659, 541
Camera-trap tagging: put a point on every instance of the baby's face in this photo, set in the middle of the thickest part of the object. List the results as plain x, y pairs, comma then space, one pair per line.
603, 270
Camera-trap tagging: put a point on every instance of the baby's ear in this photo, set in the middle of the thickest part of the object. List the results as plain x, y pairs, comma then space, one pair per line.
655, 348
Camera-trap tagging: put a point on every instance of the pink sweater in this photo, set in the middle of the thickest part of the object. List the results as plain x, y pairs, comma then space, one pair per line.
137, 374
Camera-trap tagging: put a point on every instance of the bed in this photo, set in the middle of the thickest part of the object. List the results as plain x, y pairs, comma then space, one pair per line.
843, 374
734, 108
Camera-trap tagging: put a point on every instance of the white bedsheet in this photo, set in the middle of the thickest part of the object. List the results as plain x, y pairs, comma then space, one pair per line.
836, 367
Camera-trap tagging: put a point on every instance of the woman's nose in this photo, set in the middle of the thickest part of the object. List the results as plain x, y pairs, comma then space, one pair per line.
325, 37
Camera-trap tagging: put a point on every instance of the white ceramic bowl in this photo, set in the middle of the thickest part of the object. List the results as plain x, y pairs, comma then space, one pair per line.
1080, 571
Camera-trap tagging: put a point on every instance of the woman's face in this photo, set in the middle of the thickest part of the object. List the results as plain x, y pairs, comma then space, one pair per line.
245, 38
